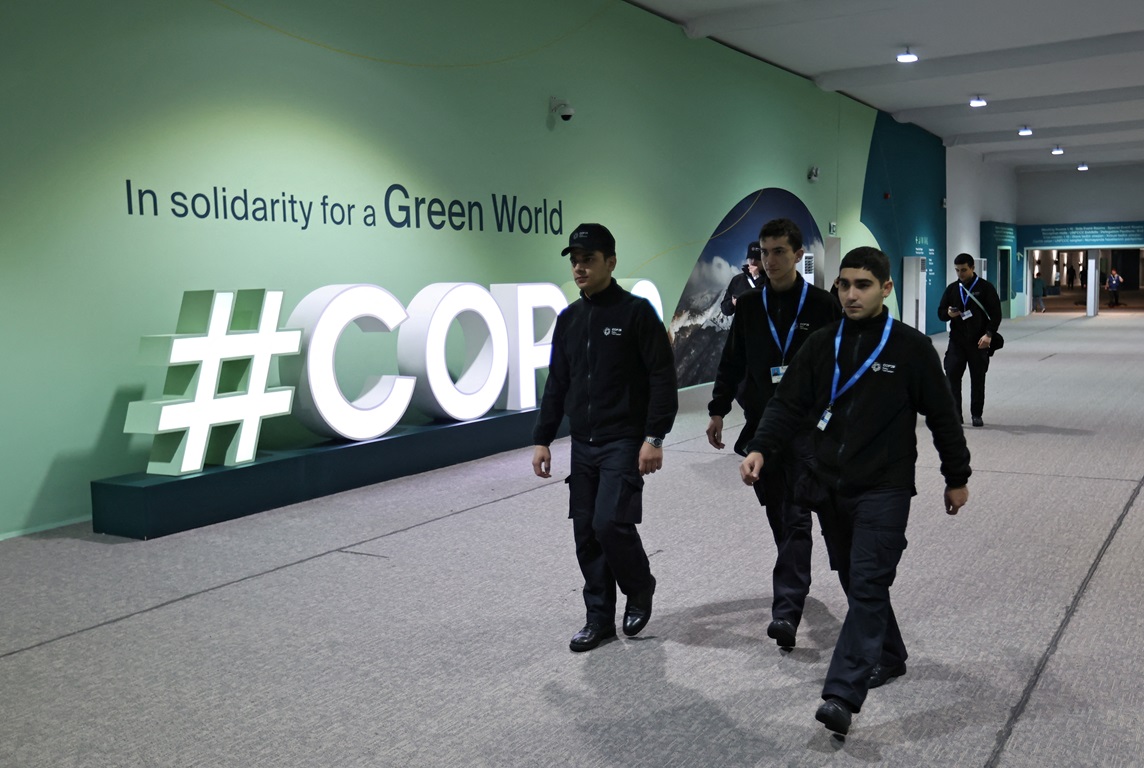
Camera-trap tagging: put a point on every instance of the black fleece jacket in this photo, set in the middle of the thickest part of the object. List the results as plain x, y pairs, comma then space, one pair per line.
750, 349
966, 333
612, 371
871, 440
740, 284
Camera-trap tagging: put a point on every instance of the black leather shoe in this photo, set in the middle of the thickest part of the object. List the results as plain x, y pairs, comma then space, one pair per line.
835, 715
880, 675
977, 422
638, 610
590, 636
782, 632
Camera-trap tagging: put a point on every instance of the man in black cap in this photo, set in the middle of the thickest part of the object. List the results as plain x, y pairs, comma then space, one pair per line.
750, 277
769, 327
612, 373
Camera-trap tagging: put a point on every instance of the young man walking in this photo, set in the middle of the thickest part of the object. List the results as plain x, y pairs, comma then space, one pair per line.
769, 327
612, 373
1114, 283
862, 383
973, 310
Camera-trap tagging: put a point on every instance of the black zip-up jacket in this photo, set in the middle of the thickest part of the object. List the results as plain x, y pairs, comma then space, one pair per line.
750, 350
967, 333
611, 371
740, 284
871, 440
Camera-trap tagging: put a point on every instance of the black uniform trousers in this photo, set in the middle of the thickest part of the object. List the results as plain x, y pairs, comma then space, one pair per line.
865, 537
793, 533
605, 501
957, 358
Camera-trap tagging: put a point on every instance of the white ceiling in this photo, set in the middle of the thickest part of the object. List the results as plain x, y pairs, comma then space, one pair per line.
1072, 70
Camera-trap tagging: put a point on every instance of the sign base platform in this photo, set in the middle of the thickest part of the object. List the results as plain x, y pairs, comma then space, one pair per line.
143, 506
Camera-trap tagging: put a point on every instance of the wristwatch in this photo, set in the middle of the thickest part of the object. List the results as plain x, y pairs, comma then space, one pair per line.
654, 442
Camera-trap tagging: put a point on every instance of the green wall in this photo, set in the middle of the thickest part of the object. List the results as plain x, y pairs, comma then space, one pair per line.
345, 98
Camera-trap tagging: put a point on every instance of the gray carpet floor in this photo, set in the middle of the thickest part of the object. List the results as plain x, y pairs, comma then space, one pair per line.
425, 621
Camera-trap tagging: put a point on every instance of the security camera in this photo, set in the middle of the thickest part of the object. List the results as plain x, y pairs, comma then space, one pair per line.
561, 108
812, 174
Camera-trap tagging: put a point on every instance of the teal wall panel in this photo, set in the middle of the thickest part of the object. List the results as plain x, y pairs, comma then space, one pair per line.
903, 202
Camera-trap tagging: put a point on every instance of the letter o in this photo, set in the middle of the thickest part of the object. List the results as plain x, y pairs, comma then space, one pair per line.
421, 350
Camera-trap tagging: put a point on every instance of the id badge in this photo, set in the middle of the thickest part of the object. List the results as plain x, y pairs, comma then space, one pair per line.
967, 314
824, 420
777, 373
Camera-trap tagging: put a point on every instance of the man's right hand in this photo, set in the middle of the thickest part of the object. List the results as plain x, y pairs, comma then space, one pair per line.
954, 312
542, 461
715, 432
751, 467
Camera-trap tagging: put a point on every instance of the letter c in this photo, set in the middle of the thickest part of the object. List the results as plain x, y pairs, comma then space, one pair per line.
319, 403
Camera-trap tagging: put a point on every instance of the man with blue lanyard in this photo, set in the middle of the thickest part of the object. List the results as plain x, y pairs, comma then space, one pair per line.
770, 325
973, 310
1114, 283
861, 383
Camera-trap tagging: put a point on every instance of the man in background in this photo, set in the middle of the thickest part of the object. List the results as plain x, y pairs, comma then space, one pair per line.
1114, 283
1038, 293
973, 310
749, 278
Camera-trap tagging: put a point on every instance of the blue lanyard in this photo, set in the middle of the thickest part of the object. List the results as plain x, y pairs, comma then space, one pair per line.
966, 293
793, 324
835, 392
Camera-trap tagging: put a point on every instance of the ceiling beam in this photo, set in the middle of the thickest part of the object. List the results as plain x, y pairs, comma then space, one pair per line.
1028, 104
985, 61
1074, 154
1040, 134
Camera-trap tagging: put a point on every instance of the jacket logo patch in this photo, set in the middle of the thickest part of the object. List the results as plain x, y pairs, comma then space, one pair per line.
883, 367
613, 331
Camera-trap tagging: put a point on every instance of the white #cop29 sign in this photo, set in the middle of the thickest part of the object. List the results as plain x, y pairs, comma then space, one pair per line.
217, 391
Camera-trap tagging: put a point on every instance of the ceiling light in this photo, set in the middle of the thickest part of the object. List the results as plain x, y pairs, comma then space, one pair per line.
906, 57
1082, 167
977, 101
1025, 131
1057, 150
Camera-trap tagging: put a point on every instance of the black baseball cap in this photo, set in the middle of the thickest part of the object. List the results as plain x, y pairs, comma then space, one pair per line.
754, 251
591, 237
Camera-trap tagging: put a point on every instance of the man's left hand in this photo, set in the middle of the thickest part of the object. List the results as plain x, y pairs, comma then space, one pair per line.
984, 341
955, 499
651, 458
